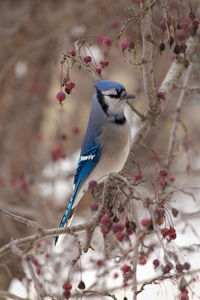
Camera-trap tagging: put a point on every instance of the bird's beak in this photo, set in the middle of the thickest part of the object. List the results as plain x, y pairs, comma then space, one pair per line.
127, 96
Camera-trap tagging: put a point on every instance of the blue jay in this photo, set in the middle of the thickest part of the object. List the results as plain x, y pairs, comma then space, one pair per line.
106, 143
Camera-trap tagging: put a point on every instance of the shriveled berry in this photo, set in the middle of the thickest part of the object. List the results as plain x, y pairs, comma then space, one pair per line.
160, 212
87, 59
161, 47
174, 212
142, 260
125, 268
81, 285
67, 286
156, 263
177, 49
171, 41
60, 96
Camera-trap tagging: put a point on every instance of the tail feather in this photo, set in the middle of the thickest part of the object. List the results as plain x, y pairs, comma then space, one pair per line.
69, 212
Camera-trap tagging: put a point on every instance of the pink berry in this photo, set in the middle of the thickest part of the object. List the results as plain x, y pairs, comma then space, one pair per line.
138, 176
117, 227
165, 232
125, 268
87, 59
72, 52
76, 129
156, 263
70, 85
38, 270
24, 184
57, 153
94, 206
98, 70
124, 45
60, 96
146, 222
171, 178
114, 23
92, 184
196, 22
99, 39
105, 220
161, 181
104, 63
107, 42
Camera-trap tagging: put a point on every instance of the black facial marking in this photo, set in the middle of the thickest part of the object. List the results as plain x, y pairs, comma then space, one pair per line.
120, 120
103, 104
119, 93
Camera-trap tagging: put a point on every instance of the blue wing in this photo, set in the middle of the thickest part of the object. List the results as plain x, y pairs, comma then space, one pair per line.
86, 164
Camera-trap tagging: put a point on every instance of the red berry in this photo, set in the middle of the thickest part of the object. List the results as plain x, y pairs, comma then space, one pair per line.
161, 181
166, 269
146, 222
57, 153
172, 233
115, 275
138, 176
120, 236
161, 95
186, 266
163, 173
99, 39
72, 52
107, 42
76, 129
124, 45
98, 70
35, 261
117, 227
100, 262
104, 63
156, 263
60, 96
114, 23
67, 286
160, 212
66, 294
94, 206
165, 232
184, 296
87, 59
38, 270
125, 268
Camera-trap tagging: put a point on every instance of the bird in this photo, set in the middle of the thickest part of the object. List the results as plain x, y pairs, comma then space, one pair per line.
106, 143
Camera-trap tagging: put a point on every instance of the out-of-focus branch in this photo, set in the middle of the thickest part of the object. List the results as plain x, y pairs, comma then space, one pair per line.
175, 120
173, 75
6, 295
19, 218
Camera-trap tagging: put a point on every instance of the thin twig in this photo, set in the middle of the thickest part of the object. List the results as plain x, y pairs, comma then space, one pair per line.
19, 218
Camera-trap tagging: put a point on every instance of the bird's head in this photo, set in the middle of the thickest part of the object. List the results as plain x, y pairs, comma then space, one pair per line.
112, 97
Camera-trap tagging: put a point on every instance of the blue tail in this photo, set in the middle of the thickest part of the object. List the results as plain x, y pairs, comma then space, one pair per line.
67, 212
